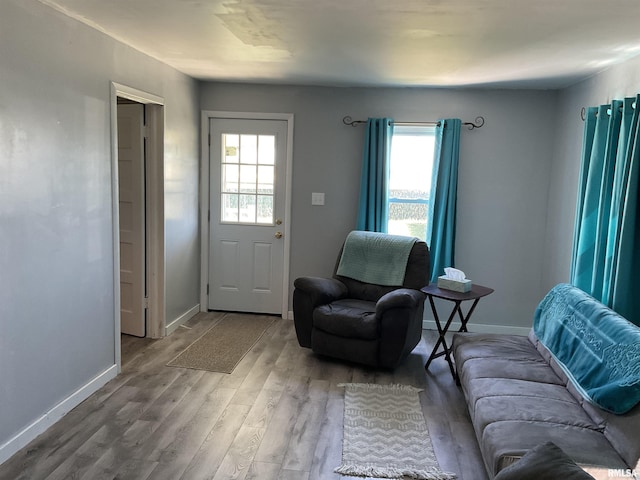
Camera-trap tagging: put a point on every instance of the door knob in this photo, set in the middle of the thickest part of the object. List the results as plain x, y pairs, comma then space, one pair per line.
278, 235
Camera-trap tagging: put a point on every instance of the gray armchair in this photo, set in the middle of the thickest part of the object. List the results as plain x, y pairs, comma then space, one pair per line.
365, 323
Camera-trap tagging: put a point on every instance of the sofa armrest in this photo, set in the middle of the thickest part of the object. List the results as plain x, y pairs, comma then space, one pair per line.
309, 293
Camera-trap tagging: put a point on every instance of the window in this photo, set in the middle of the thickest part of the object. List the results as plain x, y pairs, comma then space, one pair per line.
410, 168
248, 179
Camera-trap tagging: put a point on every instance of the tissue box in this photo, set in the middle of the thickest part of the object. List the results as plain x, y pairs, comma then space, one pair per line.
455, 285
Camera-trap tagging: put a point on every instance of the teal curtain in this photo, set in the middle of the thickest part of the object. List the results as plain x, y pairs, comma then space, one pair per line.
441, 229
373, 211
606, 234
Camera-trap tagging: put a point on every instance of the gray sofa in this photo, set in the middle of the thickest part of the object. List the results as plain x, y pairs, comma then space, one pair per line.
520, 394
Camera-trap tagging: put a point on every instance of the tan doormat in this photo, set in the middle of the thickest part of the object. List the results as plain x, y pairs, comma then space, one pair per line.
222, 347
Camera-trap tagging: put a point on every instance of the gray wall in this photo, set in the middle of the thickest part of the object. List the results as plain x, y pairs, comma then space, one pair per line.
615, 83
503, 179
518, 177
56, 251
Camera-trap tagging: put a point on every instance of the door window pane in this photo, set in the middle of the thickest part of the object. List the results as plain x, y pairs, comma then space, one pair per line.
267, 149
231, 145
229, 207
248, 179
266, 180
230, 178
249, 149
248, 168
265, 209
247, 208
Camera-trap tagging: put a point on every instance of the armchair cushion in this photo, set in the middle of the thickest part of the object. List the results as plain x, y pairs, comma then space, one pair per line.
348, 318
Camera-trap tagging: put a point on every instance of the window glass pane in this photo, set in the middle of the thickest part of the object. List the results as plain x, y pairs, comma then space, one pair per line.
408, 219
265, 209
267, 149
229, 207
248, 149
230, 177
230, 144
265, 179
247, 208
248, 179
411, 167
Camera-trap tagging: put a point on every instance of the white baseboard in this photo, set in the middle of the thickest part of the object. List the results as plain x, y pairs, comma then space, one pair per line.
169, 329
480, 328
23, 438
290, 315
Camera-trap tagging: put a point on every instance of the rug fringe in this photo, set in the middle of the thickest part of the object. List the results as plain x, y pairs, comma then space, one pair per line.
375, 386
379, 471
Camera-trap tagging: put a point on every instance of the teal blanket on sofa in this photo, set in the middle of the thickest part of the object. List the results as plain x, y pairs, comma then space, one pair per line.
597, 348
373, 257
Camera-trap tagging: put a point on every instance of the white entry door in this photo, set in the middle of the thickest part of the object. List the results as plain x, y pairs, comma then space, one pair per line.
132, 218
247, 168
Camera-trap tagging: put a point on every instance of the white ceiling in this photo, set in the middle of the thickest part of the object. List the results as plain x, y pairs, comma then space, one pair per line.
502, 43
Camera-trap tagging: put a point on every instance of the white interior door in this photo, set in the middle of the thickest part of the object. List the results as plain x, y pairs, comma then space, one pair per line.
247, 169
132, 218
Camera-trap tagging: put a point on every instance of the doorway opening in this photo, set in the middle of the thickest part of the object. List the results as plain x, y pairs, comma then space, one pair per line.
137, 138
132, 203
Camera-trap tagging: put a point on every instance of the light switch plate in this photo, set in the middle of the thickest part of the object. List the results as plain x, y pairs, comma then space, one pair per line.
317, 198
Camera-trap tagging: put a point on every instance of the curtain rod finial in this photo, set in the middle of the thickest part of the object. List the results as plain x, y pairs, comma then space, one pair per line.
477, 123
347, 120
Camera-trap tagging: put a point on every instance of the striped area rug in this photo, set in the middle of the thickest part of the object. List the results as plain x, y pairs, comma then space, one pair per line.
385, 434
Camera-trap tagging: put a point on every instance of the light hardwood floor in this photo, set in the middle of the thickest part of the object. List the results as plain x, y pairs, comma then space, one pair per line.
277, 416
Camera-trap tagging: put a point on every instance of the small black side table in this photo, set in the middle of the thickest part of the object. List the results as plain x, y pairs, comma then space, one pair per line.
432, 291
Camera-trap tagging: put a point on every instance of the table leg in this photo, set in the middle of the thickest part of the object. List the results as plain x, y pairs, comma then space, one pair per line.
440, 333
441, 336
465, 318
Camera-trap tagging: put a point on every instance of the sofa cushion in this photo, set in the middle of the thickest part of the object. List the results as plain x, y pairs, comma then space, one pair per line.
485, 355
544, 462
528, 409
349, 318
598, 349
479, 388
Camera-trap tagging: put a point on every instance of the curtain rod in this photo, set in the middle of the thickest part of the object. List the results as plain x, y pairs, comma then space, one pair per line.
583, 111
478, 123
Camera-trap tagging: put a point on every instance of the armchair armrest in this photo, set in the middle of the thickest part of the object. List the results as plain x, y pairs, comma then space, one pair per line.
399, 315
309, 293
322, 290
400, 298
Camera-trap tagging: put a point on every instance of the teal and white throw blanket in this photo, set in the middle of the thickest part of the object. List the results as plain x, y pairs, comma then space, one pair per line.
597, 348
373, 257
